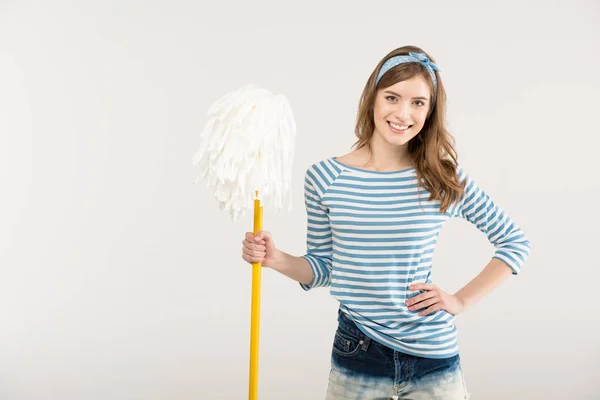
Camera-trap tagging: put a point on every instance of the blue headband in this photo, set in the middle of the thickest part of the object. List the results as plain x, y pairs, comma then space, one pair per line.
412, 57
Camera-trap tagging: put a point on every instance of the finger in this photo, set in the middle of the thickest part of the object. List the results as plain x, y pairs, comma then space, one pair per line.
258, 241
420, 297
254, 246
254, 253
264, 236
249, 236
431, 309
424, 304
258, 254
251, 259
422, 286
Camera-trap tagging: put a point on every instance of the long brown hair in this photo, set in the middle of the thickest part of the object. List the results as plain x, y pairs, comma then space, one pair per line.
432, 150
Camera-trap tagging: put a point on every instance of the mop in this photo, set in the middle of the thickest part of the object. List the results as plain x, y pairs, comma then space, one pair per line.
246, 156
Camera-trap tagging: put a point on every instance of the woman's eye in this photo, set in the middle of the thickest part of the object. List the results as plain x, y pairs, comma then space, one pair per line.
390, 98
420, 103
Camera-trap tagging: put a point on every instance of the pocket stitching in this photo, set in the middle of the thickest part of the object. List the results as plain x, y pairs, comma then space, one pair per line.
345, 336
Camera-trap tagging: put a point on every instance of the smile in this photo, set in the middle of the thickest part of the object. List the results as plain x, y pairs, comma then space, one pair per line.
398, 128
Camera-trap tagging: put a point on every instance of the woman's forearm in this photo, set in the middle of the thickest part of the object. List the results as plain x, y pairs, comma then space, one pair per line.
492, 275
296, 268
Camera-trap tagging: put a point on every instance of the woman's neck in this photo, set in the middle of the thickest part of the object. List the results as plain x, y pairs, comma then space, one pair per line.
384, 157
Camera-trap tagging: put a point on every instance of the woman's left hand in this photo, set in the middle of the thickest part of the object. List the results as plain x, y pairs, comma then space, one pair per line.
433, 299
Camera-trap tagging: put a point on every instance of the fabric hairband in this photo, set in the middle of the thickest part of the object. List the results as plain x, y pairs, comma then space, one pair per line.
411, 57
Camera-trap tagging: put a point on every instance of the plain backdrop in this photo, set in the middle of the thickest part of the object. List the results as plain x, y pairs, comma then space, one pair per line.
121, 279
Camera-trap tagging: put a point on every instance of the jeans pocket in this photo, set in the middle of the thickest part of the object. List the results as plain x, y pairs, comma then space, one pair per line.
346, 344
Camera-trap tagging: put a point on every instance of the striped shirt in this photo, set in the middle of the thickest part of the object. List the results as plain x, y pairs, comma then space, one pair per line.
372, 234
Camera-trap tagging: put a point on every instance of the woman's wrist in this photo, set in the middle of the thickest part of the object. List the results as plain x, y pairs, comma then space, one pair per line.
278, 261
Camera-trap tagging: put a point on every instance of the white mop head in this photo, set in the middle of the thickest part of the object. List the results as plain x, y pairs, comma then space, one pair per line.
247, 146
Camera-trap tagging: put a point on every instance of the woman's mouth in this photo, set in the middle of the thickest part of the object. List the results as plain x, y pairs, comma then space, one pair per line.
398, 128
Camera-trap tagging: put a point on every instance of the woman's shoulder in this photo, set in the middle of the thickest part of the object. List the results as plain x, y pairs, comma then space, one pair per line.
331, 167
354, 158
327, 165
326, 171
335, 162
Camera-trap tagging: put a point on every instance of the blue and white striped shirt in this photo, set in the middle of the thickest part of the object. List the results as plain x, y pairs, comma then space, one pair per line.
369, 238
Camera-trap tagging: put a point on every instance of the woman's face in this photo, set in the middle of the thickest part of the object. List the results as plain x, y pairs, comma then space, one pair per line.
400, 110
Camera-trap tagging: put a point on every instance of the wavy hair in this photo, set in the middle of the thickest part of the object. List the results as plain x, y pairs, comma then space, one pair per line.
432, 150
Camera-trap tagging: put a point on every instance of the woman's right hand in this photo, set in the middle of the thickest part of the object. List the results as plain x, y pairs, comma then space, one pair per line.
259, 248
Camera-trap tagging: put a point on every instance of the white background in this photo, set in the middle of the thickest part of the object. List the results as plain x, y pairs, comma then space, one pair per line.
120, 279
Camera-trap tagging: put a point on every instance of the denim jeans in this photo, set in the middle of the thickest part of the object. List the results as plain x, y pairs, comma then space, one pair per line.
362, 368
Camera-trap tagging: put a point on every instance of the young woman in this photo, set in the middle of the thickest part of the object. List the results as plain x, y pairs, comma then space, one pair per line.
374, 216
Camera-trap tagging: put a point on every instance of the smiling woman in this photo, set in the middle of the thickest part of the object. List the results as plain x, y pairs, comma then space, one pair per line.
402, 110
405, 89
374, 216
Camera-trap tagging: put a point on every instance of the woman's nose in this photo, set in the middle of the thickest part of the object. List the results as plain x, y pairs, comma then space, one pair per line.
403, 112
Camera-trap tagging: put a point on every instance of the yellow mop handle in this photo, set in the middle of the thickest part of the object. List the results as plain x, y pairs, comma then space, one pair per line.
255, 319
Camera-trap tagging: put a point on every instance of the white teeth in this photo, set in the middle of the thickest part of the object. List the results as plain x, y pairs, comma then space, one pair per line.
399, 127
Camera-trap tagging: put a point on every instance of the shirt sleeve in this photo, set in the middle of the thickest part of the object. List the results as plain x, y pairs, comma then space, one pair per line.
476, 206
318, 234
